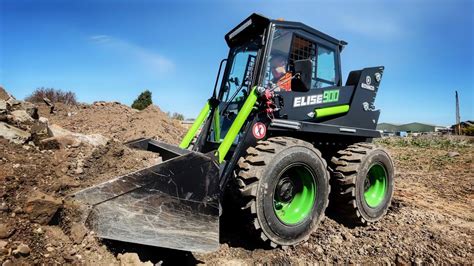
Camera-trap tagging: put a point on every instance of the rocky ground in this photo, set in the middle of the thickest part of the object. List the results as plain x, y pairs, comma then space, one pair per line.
44, 157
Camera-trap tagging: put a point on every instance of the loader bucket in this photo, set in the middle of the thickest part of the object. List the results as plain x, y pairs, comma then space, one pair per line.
173, 204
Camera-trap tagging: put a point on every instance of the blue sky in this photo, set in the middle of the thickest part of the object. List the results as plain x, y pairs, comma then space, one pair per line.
113, 50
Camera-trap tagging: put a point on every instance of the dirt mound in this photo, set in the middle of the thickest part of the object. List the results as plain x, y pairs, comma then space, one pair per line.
116, 121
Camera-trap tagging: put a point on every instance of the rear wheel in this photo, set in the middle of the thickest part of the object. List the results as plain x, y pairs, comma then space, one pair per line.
285, 186
362, 183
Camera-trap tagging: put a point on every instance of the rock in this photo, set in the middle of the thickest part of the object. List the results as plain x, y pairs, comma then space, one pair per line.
3, 107
129, 259
12, 102
30, 109
60, 142
3, 248
56, 131
78, 232
4, 95
21, 116
3, 207
7, 263
50, 249
41, 208
39, 231
93, 139
13, 134
6, 230
453, 154
22, 249
69, 258
43, 120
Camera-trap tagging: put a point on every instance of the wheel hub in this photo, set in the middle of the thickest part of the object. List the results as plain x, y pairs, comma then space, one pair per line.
285, 189
366, 184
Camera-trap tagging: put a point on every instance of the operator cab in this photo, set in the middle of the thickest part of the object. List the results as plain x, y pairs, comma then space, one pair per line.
256, 45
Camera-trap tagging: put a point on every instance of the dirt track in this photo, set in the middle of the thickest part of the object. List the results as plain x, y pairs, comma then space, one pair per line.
431, 218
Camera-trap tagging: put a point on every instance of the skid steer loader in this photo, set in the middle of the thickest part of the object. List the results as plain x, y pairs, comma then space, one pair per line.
281, 126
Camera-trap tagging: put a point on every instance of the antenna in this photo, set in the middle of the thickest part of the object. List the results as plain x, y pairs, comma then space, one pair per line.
458, 117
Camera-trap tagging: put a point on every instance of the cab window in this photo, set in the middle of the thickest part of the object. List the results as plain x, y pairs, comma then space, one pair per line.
323, 59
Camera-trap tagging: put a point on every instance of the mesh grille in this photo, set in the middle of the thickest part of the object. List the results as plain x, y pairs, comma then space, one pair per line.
302, 49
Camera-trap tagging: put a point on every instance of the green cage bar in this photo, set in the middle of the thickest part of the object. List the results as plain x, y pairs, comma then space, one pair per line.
237, 125
195, 127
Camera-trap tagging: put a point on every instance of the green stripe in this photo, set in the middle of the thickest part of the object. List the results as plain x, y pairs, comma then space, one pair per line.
333, 110
237, 125
196, 125
217, 125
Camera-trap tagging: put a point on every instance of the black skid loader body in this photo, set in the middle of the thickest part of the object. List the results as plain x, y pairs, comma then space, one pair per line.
176, 203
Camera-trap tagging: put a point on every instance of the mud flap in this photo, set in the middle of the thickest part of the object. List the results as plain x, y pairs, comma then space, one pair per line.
174, 204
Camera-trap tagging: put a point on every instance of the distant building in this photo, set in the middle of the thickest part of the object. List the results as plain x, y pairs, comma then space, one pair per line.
409, 128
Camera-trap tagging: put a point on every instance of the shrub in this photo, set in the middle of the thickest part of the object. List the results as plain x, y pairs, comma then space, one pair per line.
468, 130
178, 116
54, 95
143, 100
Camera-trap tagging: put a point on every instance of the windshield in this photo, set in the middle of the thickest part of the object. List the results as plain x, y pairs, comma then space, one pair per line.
239, 78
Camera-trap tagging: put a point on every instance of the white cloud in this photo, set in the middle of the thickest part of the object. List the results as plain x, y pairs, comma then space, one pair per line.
149, 58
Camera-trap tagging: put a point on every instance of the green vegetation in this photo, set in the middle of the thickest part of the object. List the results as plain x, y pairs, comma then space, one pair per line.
177, 116
54, 95
469, 131
143, 100
442, 142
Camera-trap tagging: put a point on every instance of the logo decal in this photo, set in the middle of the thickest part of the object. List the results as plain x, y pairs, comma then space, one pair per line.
327, 97
378, 77
367, 85
259, 130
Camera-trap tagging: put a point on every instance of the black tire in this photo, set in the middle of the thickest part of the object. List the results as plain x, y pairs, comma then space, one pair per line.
350, 175
258, 177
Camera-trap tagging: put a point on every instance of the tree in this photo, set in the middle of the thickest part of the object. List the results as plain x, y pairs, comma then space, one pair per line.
178, 116
143, 100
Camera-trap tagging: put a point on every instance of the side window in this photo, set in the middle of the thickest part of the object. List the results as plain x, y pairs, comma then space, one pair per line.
324, 70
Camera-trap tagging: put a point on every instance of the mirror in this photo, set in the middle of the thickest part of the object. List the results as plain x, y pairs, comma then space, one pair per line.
303, 70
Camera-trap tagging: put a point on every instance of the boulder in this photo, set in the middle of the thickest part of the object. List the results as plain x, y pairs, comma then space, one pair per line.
93, 139
21, 116
4, 95
31, 109
13, 134
6, 230
22, 249
3, 107
41, 208
60, 142
57, 131
453, 153
12, 102
131, 259
78, 232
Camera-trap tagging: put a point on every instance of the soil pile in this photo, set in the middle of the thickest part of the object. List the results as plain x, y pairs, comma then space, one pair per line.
116, 121
41, 163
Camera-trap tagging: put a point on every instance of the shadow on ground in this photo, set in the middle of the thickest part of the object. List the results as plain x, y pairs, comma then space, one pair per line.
156, 255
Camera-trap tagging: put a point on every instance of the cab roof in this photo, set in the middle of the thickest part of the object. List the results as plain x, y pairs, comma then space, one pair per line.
255, 23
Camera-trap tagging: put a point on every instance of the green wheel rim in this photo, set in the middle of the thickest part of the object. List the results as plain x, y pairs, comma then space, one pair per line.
295, 209
375, 186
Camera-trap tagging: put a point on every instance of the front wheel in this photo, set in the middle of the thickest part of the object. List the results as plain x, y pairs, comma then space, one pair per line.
285, 184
